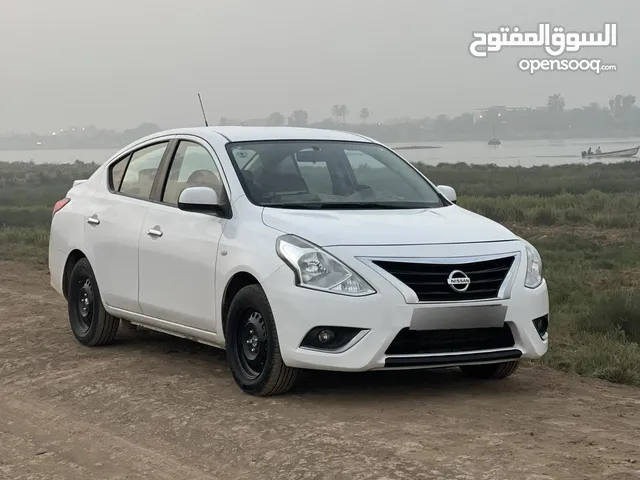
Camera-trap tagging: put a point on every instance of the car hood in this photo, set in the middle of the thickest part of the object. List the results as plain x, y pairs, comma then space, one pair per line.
450, 224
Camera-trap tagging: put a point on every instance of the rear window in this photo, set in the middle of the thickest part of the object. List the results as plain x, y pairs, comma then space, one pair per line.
141, 171
116, 173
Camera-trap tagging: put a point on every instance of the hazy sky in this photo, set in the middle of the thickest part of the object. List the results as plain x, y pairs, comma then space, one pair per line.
117, 63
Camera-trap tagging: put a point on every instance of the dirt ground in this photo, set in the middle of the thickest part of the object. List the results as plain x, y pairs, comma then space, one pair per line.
156, 407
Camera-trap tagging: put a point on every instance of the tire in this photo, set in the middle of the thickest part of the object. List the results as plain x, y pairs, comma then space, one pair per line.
253, 350
491, 371
90, 323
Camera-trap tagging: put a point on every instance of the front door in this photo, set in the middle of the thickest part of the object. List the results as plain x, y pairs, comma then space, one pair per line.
178, 249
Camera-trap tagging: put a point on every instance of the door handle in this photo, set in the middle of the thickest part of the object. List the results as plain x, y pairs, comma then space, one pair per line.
155, 232
93, 220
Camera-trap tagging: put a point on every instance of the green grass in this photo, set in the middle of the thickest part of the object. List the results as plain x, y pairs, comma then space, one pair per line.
25, 244
585, 220
26, 184
594, 290
603, 210
545, 181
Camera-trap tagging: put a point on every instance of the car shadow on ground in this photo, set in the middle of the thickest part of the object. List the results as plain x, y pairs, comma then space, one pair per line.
202, 359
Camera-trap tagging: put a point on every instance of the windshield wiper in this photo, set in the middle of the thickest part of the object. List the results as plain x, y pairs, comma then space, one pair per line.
364, 205
310, 206
348, 206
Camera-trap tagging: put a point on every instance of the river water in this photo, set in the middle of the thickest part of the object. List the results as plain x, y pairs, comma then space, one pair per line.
526, 153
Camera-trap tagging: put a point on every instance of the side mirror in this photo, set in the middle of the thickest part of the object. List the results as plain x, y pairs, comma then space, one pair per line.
449, 193
202, 200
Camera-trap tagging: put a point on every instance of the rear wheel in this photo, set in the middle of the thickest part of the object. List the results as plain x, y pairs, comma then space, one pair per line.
253, 351
90, 323
491, 370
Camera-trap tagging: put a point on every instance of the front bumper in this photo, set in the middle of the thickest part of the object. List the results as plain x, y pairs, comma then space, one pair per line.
385, 314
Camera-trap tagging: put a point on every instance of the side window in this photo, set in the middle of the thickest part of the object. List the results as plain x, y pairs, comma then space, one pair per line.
288, 166
373, 173
192, 166
317, 177
315, 170
117, 172
142, 169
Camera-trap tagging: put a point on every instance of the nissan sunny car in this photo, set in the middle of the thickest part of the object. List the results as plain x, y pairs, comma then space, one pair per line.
292, 249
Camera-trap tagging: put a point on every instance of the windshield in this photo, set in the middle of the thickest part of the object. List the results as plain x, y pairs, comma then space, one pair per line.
329, 175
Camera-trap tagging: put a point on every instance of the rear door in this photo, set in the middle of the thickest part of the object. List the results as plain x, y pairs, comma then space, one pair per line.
178, 249
113, 223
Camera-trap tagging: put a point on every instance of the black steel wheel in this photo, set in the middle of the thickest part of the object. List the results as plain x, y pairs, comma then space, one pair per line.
90, 323
85, 303
253, 351
252, 343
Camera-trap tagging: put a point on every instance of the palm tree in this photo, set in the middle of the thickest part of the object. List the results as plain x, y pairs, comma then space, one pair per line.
627, 104
344, 111
364, 114
555, 103
618, 105
335, 111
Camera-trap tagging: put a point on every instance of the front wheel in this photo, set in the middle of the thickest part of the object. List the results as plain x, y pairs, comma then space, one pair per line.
491, 370
253, 351
90, 323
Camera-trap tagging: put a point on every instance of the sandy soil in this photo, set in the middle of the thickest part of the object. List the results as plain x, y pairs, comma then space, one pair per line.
156, 407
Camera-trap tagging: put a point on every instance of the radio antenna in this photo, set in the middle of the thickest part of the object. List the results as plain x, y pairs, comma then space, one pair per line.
206, 124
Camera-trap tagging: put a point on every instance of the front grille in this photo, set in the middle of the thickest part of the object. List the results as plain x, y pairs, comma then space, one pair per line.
429, 280
413, 342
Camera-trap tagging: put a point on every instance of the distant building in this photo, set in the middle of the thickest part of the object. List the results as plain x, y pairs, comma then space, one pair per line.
497, 111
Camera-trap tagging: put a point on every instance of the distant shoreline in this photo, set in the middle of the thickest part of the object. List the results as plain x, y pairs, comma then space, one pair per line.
52, 149
416, 147
398, 144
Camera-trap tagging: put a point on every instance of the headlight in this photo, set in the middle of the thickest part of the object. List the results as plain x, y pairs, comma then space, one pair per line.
534, 267
316, 269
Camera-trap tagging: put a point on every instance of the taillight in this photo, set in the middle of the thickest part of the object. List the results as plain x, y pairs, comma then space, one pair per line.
59, 204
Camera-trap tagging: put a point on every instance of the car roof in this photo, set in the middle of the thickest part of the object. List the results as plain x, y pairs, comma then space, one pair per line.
247, 134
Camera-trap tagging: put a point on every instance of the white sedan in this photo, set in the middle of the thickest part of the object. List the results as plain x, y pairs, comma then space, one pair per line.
294, 249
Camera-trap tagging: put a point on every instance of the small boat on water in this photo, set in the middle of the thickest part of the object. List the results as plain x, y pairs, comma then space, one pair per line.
494, 142
628, 152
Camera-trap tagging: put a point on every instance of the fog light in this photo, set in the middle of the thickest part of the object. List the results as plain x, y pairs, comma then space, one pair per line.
326, 336
329, 338
542, 325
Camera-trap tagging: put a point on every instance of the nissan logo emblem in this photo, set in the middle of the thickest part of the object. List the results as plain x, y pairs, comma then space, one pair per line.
458, 281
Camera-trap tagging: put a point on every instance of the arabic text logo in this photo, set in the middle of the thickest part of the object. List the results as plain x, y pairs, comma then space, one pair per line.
554, 39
